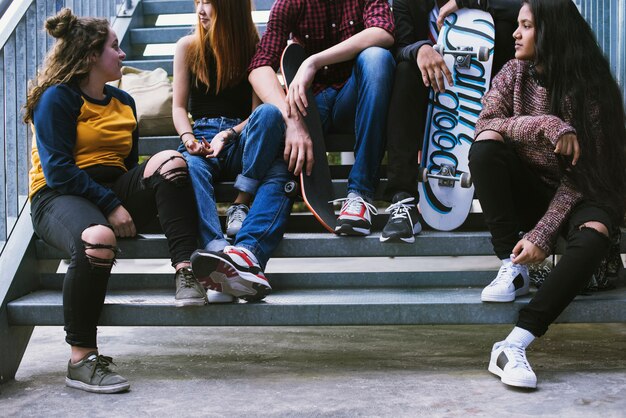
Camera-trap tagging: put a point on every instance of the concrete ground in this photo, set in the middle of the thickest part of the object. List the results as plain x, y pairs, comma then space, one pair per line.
404, 371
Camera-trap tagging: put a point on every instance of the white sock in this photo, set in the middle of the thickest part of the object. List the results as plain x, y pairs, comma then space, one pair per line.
520, 337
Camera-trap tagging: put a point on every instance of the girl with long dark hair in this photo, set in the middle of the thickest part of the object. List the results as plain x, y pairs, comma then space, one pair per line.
233, 135
548, 161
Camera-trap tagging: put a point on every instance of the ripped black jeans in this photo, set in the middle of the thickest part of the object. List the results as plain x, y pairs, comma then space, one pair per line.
61, 219
513, 199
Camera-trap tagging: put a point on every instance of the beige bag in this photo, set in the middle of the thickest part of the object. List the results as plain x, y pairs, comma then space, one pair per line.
152, 91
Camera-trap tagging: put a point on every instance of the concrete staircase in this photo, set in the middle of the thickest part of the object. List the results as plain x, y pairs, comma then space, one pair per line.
436, 280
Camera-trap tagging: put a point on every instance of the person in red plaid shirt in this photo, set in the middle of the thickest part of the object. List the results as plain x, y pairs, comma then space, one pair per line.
351, 73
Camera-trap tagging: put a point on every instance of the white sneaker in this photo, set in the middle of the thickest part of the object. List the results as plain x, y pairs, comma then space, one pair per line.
235, 215
510, 364
512, 281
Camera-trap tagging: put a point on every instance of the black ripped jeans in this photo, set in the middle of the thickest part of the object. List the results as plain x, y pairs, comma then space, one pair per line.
513, 199
61, 219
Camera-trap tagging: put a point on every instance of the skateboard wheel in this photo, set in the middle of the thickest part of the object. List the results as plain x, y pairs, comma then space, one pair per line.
438, 49
291, 188
422, 175
466, 180
483, 54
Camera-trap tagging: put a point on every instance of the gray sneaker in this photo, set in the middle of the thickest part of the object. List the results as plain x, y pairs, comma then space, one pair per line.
235, 215
92, 374
188, 291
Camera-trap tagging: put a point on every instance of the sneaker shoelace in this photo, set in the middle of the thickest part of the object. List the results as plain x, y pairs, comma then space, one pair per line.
102, 366
401, 209
519, 355
188, 279
504, 275
353, 204
236, 214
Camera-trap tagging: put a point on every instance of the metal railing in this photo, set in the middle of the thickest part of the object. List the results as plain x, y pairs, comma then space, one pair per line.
23, 46
608, 20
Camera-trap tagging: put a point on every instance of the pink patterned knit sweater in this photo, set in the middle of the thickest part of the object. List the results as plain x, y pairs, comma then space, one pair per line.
517, 107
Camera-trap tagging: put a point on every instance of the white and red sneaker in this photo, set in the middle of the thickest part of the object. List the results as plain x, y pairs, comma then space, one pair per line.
355, 217
234, 271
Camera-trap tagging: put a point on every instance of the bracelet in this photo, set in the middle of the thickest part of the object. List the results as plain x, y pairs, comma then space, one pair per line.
234, 132
185, 133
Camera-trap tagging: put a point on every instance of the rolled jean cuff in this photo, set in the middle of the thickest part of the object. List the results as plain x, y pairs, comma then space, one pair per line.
81, 340
217, 245
246, 184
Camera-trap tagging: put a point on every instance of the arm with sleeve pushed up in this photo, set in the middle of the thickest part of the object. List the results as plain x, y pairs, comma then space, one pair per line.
378, 31
55, 119
498, 112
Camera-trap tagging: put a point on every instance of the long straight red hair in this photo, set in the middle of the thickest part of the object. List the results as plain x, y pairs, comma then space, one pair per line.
231, 39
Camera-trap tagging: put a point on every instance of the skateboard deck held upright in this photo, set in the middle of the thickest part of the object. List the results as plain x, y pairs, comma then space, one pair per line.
466, 42
316, 189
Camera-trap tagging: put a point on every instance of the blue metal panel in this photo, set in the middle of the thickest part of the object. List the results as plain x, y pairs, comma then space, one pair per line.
21, 169
3, 225
77, 9
10, 126
31, 70
41, 33
50, 11
607, 18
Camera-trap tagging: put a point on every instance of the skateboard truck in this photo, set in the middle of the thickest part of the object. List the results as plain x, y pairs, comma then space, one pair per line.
447, 176
463, 54
292, 188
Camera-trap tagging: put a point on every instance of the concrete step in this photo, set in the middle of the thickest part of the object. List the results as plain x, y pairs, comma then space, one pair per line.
315, 307
167, 34
307, 280
158, 35
156, 7
428, 243
150, 64
322, 245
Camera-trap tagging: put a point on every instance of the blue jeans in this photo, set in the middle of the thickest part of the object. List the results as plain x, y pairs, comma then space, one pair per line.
255, 158
361, 107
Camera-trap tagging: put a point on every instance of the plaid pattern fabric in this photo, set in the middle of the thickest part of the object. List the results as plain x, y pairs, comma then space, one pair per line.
318, 25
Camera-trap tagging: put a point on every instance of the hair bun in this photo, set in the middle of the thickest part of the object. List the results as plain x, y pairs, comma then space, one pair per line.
61, 24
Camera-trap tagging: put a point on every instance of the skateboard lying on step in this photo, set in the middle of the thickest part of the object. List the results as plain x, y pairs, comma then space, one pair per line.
317, 189
466, 42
